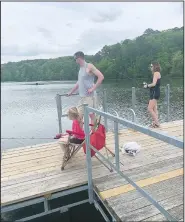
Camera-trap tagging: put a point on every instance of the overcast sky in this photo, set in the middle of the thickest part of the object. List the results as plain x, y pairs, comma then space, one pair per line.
49, 30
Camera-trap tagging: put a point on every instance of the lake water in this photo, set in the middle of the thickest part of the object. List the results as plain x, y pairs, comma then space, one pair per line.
29, 111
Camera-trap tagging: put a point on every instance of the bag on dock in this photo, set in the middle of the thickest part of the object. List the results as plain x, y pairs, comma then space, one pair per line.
97, 139
131, 148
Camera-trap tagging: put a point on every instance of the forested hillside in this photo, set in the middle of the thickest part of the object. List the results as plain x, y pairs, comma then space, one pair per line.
127, 59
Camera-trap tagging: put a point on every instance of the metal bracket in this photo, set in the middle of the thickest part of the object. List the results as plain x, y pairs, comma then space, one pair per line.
46, 205
98, 207
64, 209
97, 198
48, 196
114, 112
46, 202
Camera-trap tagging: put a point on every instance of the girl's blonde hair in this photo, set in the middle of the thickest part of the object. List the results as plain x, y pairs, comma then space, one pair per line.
74, 114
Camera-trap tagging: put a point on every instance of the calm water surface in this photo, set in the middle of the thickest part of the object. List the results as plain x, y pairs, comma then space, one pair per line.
29, 110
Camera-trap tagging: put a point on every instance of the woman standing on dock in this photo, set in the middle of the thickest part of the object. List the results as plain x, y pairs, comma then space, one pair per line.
154, 93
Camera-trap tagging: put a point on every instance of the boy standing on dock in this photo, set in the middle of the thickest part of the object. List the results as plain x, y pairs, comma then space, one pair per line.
85, 83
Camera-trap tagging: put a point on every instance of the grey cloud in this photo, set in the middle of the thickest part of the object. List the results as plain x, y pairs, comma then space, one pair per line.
37, 50
14, 50
45, 32
28, 50
66, 5
70, 25
97, 38
8, 50
181, 8
93, 39
110, 16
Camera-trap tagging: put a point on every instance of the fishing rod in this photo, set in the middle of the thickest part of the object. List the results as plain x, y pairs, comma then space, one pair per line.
57, 136
133, 79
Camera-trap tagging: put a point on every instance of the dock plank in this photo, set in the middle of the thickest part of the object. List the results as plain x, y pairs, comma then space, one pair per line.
132, 203
172, 127
44, 148
144, 158
126, 208
176, 212
139, 173
148, 211
15, 162
48, 186
34, 171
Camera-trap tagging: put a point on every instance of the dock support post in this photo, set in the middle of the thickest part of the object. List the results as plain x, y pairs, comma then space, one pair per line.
133, 98
88, 154
168, 102
59, 111
46, 205
105, 107
113, 219
116, 137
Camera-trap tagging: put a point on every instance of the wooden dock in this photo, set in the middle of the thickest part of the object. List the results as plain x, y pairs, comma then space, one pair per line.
34, 171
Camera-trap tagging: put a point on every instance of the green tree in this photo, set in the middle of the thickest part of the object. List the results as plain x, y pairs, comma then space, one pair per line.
178, 64
128, 59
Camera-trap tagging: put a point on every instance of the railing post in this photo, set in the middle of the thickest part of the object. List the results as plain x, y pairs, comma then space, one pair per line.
105, 107
133, 98
59, 111
88, 153
46, 205
116, 138
168, 102
133, 115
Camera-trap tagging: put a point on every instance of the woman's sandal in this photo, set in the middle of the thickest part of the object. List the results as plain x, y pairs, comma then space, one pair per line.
154, 125
157, 125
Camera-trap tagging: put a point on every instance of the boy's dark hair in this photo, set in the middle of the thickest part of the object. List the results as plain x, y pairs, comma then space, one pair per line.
79, 54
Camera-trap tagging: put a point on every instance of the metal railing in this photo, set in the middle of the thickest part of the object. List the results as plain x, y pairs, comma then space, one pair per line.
133, 115
168, 102
60, 104
158, 135
59, 108
104, 107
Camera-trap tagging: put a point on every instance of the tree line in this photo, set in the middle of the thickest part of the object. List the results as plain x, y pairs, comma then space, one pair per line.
127, 59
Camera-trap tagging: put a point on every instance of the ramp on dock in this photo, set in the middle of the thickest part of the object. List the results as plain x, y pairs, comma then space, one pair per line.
34, 171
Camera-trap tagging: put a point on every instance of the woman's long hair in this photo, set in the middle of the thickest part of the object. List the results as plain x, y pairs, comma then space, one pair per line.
156, 67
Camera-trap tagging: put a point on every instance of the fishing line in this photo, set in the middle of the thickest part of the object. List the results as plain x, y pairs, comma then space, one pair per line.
26, 138
65, 107
136, 81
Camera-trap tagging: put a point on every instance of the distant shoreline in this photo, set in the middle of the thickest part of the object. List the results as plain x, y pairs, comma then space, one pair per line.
71, 81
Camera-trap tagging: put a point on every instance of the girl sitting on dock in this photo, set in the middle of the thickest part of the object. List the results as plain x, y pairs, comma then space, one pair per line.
77, 127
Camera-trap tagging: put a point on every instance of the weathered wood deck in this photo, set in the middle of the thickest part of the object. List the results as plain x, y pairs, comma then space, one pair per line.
158, 169
30, 172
